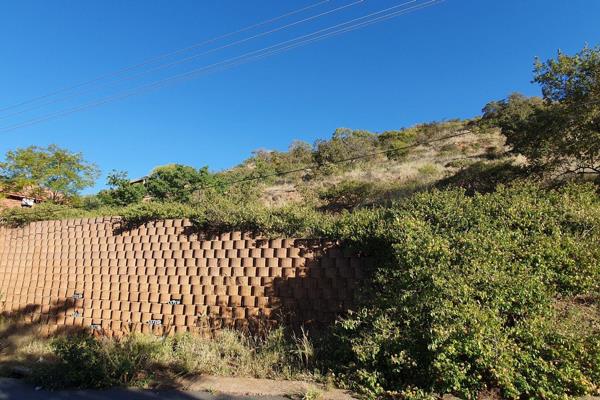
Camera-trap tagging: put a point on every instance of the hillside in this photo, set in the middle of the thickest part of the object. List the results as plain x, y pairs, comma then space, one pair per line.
386, 166
352, 169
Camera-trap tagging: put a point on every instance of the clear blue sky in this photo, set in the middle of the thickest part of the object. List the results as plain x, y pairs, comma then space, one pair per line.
443, 62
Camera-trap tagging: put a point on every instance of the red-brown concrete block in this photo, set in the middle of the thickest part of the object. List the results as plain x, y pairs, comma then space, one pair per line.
189, 309
164, 298
135, 306
136, 317
210, 299
187, 299
199, 299
156, 308
178, 309
167, 309
163, 288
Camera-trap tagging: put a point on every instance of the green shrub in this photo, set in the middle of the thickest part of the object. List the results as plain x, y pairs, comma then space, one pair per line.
178, 183
121, 191
344, 144
347, 195
81, 363
290, 220
84, 361
558, 133
463, 297
140, 213
15, 217
89, 202
397, 141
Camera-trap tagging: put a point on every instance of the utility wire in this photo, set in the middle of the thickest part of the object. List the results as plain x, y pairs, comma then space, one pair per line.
247, 57
164, 55
340, 31
190, 58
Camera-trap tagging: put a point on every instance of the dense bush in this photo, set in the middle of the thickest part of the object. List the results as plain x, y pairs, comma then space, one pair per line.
472, 293
344, 144
15, 217
178, 183
467, 294
122, 191
212, 201
397, 141
138, 214
347, 195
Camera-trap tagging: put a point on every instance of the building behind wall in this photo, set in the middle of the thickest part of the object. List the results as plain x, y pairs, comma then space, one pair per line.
14, 200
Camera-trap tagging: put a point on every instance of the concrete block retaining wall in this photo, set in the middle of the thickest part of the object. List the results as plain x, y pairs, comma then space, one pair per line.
162, 277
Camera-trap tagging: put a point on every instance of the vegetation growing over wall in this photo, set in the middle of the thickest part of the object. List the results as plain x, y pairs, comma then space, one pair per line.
492, 292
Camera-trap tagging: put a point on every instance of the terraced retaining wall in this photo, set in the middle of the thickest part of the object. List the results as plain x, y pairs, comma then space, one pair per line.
162, 277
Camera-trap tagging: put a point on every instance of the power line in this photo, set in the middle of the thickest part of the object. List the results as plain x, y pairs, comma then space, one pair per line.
247, 57
348, 29
192, 57
165, 55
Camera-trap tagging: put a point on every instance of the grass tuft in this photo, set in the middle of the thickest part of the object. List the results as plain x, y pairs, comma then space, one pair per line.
84, 361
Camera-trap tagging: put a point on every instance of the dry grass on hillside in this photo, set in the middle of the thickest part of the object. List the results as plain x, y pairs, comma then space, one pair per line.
420, 169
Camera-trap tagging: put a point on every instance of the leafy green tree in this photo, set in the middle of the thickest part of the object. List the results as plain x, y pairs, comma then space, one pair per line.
344, 144
48, 172
122, 191
510, 113
562, 132
178, 183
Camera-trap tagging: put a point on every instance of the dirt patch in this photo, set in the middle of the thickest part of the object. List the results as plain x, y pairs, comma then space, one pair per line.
259, 387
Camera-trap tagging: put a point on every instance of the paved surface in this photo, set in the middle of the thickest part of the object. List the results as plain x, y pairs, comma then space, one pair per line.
14, 389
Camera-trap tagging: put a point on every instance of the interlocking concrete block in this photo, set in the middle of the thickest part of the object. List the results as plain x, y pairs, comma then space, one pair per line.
141, 269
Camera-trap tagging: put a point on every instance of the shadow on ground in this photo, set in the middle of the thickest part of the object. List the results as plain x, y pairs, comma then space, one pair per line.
14, 389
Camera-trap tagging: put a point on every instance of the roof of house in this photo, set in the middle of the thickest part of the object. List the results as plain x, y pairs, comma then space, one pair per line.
138, 180
21, 196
